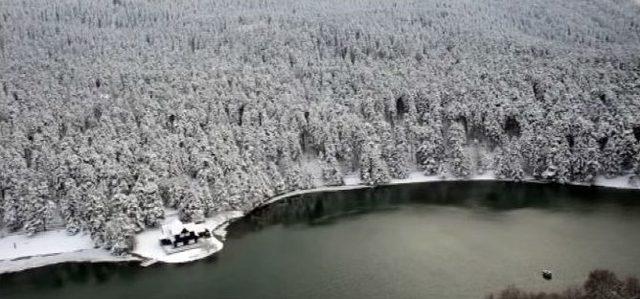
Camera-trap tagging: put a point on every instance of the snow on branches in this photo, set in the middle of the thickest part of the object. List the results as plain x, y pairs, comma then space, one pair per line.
205, 106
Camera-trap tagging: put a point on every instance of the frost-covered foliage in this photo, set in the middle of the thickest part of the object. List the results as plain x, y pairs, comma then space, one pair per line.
111, 111
509, 162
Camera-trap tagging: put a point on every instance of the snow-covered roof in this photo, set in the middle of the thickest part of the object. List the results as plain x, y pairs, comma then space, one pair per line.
175, 227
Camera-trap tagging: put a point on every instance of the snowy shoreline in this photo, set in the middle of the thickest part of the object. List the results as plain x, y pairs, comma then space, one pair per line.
147, 241
19, 252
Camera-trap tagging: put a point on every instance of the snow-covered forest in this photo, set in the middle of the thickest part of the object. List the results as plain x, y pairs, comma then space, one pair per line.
111, 111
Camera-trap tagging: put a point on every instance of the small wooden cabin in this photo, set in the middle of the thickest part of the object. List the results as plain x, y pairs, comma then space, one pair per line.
178, 234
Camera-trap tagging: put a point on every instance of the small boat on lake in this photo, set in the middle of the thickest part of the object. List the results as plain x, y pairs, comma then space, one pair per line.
546, 274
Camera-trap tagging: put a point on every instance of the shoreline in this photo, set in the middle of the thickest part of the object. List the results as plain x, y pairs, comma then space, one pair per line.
80, 248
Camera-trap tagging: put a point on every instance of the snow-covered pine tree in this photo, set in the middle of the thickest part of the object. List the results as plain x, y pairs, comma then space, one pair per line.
153, 107
585, 160
69, 205
331, 173
95, 213
275, 178
396, 152
458, 161
373, 169
190, 205
119, 234
293, 175
430, 153
557, 159
634, 180
147, 194
40, 210
14, 208
509, 161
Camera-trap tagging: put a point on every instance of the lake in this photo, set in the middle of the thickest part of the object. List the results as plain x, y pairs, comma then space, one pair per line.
430, 240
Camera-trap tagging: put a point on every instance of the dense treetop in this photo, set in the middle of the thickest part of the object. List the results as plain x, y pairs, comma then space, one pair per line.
112, 110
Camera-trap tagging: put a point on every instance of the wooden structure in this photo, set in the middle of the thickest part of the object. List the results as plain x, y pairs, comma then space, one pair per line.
183, 236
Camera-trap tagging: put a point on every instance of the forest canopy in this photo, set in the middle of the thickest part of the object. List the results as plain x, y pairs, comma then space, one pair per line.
111, 111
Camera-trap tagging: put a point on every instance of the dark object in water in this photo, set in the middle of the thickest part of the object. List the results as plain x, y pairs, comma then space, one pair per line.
546, 274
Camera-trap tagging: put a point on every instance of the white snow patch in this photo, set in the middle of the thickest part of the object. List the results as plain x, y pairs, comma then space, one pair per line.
487, 176
617, 182
20, 252
96, 255
148, 242
314, 168
314, 190
622, 182
221, 231
352, 179
419, 177
49, 242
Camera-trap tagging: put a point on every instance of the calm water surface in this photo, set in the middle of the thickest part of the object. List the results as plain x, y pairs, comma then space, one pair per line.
434, 240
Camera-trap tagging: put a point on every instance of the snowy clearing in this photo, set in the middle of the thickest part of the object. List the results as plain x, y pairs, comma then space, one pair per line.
80, 256
50, 242
147, 245
20, 252
53, 247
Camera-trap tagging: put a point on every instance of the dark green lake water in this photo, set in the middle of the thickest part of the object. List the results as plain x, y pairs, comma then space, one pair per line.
432, 240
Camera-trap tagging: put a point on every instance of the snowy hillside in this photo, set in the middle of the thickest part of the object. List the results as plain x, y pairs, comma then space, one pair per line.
112, 111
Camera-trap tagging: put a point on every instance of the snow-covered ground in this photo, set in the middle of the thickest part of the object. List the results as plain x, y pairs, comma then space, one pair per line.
147, 242
352, 179
20, 252
418, 177
620, 182
315, 190
83, 255
50, 242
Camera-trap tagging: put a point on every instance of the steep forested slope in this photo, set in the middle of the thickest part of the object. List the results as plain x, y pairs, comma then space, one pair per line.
112, 110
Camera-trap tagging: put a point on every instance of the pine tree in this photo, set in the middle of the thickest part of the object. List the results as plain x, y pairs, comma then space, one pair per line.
459, 162
119, 234
144, 132
147, 194
585, 161
190, 206
373, 170
14, 209
40, 210
331, 173
70, 207
430, 153
509, 162
396, 153
94, 213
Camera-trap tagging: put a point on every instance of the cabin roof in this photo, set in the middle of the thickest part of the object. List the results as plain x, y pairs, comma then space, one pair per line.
175, 228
